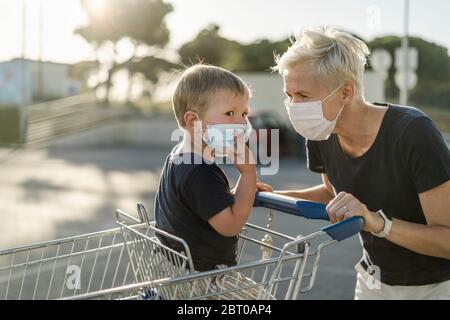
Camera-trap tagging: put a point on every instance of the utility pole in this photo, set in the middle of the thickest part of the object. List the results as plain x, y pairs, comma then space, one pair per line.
23, 106
405, 49
40, 53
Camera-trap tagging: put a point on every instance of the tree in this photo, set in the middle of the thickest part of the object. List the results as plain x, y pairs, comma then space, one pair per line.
259, 55
150, 67
433, 87
82, 71
210, 47
140, 21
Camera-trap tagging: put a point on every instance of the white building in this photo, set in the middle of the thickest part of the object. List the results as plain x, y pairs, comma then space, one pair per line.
24, 81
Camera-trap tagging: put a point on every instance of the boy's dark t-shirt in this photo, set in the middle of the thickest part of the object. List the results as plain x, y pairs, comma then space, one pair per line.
190, 193
409, 156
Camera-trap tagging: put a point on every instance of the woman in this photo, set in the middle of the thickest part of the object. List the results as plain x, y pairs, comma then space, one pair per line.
386, 163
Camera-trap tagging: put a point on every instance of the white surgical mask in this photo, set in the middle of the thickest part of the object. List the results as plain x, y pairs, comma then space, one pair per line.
220, 137
308, 120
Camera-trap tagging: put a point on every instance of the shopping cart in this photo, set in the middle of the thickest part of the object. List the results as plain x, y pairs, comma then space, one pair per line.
132, 261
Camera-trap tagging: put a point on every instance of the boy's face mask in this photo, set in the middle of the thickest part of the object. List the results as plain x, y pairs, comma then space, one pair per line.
220, 137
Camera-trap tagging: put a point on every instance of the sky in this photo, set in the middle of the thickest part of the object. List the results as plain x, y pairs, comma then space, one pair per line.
243, 20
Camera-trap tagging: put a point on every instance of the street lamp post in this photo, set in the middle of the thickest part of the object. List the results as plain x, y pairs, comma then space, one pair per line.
405, 49
23, 105
40, 61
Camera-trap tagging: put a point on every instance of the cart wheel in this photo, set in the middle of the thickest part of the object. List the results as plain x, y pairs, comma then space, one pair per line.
150, 294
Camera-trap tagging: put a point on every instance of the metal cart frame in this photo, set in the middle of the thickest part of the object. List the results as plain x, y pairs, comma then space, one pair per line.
131, 262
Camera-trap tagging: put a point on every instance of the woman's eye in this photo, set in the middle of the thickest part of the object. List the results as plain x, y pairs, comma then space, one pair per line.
244, 114
230, 113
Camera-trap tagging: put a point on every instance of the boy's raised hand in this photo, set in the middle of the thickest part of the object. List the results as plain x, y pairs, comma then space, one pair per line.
243, 158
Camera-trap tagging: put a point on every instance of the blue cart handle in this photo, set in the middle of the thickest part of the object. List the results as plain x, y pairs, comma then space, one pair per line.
309, 210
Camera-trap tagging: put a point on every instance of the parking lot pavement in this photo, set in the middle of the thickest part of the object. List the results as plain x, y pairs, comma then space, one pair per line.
52, 193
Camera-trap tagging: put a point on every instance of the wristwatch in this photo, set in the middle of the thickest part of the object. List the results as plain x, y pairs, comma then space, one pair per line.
387, 226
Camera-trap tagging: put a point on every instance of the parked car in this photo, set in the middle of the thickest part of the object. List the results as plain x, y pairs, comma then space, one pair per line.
290, 142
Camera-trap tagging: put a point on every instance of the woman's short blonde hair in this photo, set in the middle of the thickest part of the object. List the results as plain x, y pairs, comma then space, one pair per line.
337, 56
196, 85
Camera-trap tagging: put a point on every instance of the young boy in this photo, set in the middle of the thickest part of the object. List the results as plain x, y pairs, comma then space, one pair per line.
194, 201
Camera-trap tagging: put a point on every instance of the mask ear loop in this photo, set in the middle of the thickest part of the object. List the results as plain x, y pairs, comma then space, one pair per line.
203, 132
342, 108
333, 92
340, 111
249, 128
198, 122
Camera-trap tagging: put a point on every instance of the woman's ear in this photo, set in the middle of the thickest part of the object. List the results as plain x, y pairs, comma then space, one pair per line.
348, 91
189, 119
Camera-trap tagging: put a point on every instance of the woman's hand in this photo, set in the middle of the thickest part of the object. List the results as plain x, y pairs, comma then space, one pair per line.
345, 205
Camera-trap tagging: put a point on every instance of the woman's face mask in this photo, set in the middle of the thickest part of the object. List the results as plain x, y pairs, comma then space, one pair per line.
308, 120
221, 137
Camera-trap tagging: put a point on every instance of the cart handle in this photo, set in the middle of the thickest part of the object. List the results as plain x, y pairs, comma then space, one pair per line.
142, 212
309, 210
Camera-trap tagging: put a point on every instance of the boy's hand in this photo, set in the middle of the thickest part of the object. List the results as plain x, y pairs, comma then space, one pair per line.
261, 186
242, 157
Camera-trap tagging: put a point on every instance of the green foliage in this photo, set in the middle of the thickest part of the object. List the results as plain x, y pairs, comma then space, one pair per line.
210, 47
259, 56
9, 125
433, 87
140, 21
150, 67
143, 21
101, 28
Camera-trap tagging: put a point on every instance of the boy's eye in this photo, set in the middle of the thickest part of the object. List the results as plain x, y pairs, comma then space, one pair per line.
244, 114
230, 113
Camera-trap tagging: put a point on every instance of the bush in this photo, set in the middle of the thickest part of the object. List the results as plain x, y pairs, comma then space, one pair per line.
9, 125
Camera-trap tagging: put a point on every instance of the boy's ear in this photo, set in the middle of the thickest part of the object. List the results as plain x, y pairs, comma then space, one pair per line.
189, 119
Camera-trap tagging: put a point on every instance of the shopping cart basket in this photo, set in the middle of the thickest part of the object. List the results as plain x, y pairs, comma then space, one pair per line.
130, 262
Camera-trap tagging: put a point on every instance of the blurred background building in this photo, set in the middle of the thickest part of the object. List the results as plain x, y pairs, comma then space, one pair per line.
29, 81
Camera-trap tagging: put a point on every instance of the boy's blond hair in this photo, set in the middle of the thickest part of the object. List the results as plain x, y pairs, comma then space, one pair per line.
198, 83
